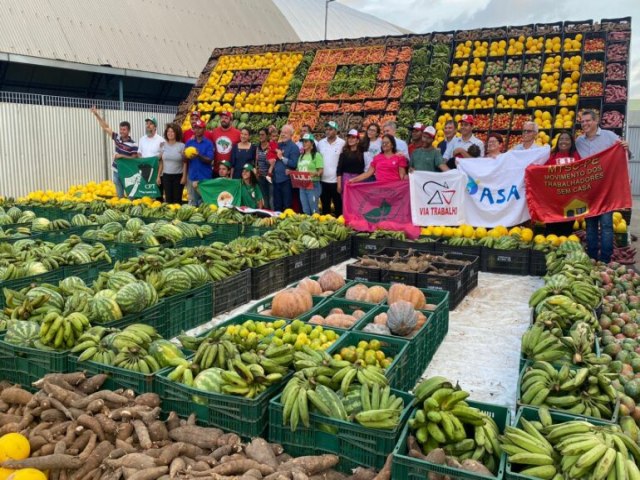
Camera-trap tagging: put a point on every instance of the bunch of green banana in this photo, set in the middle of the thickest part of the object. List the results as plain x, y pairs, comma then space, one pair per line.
215, 353
187, 371
444, 420
247, 380
576, 260
505, 242
573, 449
380, 409
17, 232
136, 359
91, 347
570, 311
583, 391
257, 251
295, 401
274, 359
382, 233
539, 343
582, 292
62, 332
580, 344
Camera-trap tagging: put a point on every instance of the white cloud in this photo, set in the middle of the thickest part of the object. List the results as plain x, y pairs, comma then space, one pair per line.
422, 16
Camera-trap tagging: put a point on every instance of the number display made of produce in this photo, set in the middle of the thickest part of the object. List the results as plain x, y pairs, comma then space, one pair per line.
546, 73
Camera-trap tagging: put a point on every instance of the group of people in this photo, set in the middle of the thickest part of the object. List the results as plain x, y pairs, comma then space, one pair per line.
266, 168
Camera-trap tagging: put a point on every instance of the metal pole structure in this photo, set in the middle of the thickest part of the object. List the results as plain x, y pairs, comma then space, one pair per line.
326, 16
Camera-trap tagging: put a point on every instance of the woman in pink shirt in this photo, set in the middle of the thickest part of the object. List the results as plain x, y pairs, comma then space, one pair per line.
388, 166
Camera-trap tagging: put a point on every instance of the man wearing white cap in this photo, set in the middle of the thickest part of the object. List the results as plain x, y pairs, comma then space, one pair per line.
330, 147
416, 137
427, 158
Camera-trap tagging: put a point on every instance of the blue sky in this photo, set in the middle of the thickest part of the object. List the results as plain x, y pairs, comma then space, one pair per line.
422, 16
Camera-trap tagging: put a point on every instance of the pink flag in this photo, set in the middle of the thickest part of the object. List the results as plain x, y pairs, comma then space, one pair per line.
374, 206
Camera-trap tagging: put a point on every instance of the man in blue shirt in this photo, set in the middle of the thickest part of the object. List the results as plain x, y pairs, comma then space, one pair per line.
594, 140
288, 154
198, 167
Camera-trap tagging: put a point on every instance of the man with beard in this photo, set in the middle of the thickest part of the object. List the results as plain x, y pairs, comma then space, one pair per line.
288, 154
189, 134
224, 138
151, 144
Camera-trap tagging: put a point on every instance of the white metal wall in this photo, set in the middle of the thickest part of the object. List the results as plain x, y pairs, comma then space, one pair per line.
55, 142
633, 136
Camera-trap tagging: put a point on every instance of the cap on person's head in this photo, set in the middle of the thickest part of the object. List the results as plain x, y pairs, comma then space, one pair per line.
153, 120
332, 124
226, 113
418, 126
466, 118
309, 137
199, 124
195, 113
248, 167
430, 131
353, 133
226, 164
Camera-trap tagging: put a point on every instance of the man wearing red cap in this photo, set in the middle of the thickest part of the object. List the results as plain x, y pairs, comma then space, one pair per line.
427, 158
416, 137
458, 146
224, 138
188, 134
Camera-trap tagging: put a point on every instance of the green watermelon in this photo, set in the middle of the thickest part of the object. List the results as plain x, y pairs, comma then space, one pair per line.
208, 380
106, 293
197, 273
117, 280
55, 299
134, 224
112, 227
135, 297
104, 310
166, 353
23, 334
175, 281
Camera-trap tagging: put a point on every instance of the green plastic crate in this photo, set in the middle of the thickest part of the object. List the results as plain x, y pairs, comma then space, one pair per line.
422, 346
86, 271
399, 372
265, 304
225, 232
117, 377
247, 417
613, 419
59, 236
347, 306
409, 468
30, 364
251, 231
153, 316
186, 310
531, 414
355, 445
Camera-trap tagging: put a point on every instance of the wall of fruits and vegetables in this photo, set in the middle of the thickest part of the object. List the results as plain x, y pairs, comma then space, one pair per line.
505, 76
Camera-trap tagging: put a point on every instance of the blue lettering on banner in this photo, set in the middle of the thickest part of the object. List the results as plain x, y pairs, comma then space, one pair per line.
499, 196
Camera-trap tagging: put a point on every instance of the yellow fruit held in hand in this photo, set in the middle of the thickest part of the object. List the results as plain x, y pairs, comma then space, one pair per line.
27, 474
190, 152
14, 446
617, 216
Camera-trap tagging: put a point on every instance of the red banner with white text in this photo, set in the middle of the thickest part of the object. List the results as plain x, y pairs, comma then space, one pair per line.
379, 206
586, 188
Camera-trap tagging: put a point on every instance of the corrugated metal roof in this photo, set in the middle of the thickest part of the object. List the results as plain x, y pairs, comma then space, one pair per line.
307, 19
159, 36
165, 36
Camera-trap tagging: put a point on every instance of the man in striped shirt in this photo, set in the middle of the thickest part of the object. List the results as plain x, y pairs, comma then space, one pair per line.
125, 147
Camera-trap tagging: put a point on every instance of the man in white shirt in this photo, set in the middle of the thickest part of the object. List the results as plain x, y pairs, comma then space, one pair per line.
151, 143
330, 148
458, 146
529, 134
389, 128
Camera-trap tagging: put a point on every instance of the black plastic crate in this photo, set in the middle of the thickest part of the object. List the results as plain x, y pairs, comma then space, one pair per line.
471, 271
362, 273
362, 246
232, 292
320, 259
298, 266
513, 262
538, 263
397, 276
268, 278
341, 251
475, 250
428, 246
390, 252
454, 284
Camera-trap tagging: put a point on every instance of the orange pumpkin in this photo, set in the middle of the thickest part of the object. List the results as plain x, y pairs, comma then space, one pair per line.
400, 291
357, 293
291, 302
310, 286
330, 280
376, 294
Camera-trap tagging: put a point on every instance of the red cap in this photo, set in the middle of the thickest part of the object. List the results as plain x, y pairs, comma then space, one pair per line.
467, 118
199, 124
227, 114
195, 113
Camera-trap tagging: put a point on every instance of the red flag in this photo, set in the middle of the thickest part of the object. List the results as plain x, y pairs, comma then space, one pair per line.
373, 205
586, 188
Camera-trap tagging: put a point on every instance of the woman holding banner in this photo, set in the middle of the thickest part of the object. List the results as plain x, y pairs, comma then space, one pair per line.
388, 166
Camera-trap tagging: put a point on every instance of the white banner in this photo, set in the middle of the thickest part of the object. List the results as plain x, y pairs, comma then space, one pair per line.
437, 198
495, 193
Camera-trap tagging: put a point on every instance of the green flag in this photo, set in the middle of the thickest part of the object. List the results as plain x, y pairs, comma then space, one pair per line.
223, 192
138, 175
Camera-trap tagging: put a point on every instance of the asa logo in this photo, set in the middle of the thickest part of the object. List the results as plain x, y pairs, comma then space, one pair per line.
496, 196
